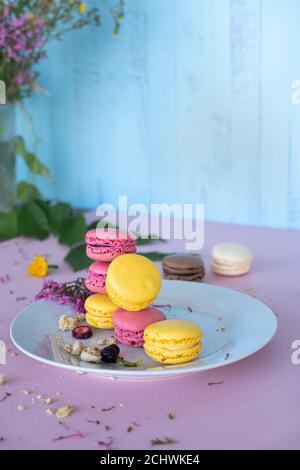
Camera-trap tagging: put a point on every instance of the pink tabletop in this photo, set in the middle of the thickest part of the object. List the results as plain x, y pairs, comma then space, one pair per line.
253, 404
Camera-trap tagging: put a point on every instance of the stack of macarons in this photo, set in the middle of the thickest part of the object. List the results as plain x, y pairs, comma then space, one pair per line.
103, 246
125, 285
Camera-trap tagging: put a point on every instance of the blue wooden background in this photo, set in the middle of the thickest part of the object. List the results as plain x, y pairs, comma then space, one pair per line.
191, 103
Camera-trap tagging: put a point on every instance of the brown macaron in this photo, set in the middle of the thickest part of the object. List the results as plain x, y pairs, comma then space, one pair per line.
183, 267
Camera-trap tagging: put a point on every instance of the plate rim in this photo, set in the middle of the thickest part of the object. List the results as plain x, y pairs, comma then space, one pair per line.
155, 374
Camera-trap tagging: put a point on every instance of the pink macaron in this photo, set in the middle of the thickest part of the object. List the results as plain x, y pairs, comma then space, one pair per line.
106, 244
129, 326
97, 277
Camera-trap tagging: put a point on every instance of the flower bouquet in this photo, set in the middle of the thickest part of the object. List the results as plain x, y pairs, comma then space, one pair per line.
26, 27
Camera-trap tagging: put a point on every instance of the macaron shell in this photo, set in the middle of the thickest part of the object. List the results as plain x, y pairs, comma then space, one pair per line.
133, 282
97, 286
98, 269
97, 277
137, 321
183, 267
129, 326
100, 305
109, 236
106, 244
229, 271
99, 321
129, 337
166, 356
175, 335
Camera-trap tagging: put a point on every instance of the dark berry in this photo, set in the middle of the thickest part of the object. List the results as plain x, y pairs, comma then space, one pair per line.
110, 353
82, 332
116, 348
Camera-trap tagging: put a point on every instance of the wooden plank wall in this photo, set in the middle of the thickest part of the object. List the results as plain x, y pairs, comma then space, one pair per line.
191, 103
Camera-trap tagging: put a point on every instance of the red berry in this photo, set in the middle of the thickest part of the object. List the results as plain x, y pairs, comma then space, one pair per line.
82, 332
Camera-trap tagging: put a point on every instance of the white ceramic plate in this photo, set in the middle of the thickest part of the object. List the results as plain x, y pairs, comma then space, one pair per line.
235, 325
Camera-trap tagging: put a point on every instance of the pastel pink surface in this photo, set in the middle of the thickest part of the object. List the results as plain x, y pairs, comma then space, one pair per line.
129, 326
252, 404
106, 244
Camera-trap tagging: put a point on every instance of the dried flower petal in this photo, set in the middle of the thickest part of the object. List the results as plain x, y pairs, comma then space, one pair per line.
64, 411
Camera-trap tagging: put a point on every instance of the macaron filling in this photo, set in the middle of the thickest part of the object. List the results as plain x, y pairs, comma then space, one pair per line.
100, 249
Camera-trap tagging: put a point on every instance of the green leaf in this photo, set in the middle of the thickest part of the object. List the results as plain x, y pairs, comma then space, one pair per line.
31, 160
77, 259
58, 213
124, 363
149, 239
72, 229
155, 255
27, 192
45, 206
33, 221
100, 224
8, 225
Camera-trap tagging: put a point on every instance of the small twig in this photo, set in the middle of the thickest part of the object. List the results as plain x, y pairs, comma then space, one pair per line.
162, 305
107, 444
60, 438
108, 409
6, 395
63, 425
215, 383
136, 424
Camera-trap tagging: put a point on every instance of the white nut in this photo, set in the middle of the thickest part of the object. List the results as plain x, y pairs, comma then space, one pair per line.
77, 348
91, 354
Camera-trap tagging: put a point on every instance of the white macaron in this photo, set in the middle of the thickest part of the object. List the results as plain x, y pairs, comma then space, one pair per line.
231, 259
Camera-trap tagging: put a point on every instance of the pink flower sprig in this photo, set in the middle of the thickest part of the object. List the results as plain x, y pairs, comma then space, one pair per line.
73, 292
21, 45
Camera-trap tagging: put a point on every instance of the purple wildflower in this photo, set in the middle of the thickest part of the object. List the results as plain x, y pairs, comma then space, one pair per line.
74, 293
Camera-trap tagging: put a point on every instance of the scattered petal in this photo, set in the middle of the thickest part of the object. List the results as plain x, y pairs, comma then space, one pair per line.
166, 441
64, 411
106, 444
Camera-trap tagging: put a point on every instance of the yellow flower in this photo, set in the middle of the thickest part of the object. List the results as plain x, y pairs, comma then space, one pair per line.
38, 267
82, 8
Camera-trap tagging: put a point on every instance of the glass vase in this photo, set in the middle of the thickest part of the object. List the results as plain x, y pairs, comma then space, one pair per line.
7, 157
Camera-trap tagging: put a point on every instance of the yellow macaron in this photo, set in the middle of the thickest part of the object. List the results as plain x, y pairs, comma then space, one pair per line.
132, 282
99, 310
173, 341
